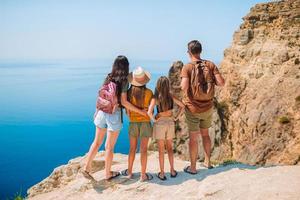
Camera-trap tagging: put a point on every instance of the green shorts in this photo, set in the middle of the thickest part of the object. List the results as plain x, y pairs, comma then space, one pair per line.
140, 129
197, 121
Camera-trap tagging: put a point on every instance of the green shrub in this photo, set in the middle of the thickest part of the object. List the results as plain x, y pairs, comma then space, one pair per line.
229, 162
17, 196
283, 120
222, 105
177, 127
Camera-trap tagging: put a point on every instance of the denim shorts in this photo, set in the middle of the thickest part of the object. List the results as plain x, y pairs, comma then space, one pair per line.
112, 122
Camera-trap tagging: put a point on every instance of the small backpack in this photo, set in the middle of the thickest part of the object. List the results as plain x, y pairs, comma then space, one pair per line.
107, 97
202, 82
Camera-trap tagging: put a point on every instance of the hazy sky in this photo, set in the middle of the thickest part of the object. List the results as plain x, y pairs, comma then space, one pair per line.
90, 29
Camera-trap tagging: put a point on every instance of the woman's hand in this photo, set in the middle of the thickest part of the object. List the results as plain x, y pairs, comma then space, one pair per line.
116, 106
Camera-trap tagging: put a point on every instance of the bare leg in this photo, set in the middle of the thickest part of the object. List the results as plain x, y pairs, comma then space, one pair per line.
132, 151
98, 140
206, 145
111, 140
170, 155
193, 144
161, 153
144, 147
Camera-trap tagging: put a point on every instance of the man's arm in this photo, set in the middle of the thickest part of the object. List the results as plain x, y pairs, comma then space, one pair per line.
184, 84
217, 75
219, 80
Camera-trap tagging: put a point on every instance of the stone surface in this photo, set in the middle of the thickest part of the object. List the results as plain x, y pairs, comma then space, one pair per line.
235, 181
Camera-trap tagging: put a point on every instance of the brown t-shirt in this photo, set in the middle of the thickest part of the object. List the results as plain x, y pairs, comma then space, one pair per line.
193, 105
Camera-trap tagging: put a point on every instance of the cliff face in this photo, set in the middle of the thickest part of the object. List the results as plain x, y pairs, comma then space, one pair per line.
258, 118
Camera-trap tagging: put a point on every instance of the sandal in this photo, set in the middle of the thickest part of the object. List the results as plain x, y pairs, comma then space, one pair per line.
187, 170
173, 176
161, 178
125, 173
87, 175
149, 177
210, 167
113, 175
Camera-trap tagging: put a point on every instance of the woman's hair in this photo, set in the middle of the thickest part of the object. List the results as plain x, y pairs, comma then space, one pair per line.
162, 94
118, 74
137, 92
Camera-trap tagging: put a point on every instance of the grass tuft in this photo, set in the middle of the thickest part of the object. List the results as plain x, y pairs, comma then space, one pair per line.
284, 120
222, 105
17, 196
229, 162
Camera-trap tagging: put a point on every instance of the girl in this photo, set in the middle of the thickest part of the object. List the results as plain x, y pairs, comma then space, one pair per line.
139, 126
111, 122
164, 126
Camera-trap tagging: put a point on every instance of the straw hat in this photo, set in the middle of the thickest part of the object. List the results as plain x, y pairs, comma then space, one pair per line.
139, 77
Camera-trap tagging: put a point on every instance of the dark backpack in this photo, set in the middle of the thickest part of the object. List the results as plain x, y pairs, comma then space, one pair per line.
202, 83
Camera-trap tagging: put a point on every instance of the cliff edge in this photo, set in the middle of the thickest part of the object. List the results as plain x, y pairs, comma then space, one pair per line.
231, 181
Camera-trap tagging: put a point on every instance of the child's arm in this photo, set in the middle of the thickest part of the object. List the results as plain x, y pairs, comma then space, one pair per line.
151, 109
129, 106
181, 108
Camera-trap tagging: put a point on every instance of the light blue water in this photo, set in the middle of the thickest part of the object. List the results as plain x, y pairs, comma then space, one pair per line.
46, 114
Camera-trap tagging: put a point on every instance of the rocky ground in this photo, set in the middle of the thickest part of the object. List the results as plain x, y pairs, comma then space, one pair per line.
233, 181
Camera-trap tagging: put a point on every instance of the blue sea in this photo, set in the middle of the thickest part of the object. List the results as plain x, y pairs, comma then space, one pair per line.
46, 110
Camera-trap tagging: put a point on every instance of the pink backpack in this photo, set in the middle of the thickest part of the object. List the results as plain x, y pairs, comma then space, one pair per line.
107, 98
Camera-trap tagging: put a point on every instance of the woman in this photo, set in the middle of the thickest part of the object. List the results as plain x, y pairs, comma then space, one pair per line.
139, 125
111, 123
164, 126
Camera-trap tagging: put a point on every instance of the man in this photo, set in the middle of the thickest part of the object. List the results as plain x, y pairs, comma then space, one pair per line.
199, 78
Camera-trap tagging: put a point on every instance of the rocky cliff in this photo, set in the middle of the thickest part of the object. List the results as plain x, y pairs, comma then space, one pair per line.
257, 118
